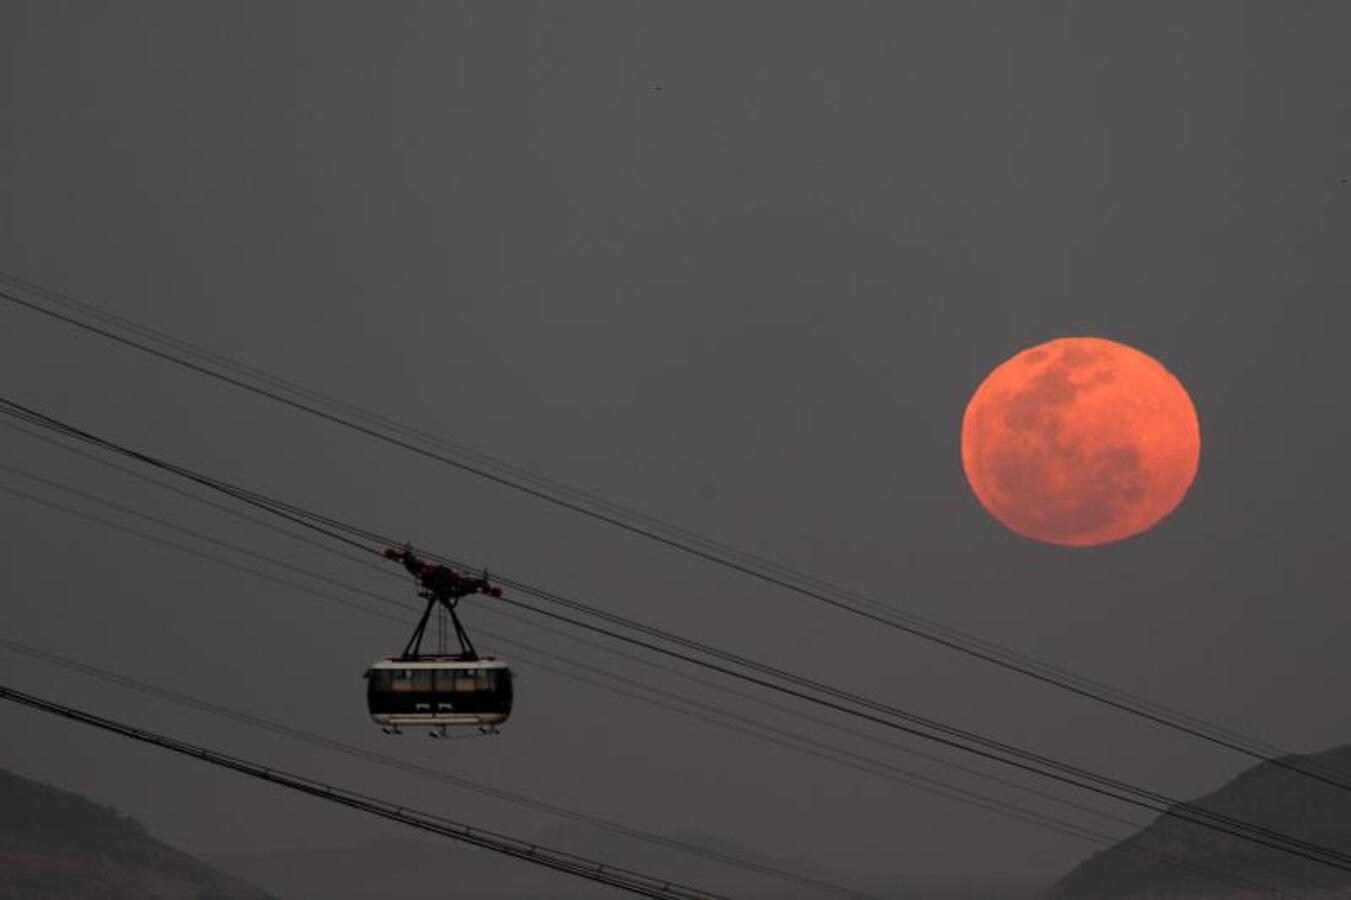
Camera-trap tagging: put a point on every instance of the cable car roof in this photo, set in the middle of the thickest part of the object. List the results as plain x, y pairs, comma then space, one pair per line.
442, 663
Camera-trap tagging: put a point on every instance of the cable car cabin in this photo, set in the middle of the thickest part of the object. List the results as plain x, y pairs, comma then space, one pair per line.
436, 691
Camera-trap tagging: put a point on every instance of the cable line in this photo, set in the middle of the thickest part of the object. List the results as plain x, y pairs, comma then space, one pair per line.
947, 735
192, 551
387, 761
966, 797
928, 785
908, 778
1098, 838
721, 719
493, 611
570, 863
1005, 754
204, 501
754, 729
893, 773
478, 464
836, 699
164, 523
520, 646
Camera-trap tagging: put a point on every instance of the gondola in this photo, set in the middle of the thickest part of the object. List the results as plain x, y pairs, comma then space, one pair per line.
439, 690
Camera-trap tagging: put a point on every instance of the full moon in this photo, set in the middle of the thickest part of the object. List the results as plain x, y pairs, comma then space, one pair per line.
1080, 441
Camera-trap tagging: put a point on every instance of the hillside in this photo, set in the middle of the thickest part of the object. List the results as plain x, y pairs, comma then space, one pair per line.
57, 846
1267, 795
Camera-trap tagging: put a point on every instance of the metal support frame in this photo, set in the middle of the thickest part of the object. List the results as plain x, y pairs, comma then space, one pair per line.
439, 584
413, 650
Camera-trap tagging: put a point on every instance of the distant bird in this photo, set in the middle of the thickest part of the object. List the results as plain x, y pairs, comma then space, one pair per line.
655, 88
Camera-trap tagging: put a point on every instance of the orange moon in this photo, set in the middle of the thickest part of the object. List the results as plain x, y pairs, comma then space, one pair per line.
1080, 441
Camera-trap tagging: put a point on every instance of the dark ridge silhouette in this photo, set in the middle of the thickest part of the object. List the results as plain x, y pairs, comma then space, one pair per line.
58, 846
1266, 794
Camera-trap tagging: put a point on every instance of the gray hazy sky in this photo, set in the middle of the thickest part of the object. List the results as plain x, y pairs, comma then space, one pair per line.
739, 266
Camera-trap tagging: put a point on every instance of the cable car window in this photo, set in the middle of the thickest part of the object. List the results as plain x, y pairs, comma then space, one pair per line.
445, 681
422, 680
397, 680
464, 681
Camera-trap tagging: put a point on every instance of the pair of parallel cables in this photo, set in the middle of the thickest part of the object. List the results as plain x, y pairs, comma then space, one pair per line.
739, 667
698, 710
260, 383
720, 719
379, 427
633, 882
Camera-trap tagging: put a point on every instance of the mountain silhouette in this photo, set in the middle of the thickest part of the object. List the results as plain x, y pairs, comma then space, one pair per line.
57, 846
1175, 859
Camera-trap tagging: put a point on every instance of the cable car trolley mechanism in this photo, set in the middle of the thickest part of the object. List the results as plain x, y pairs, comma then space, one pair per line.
437, 690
